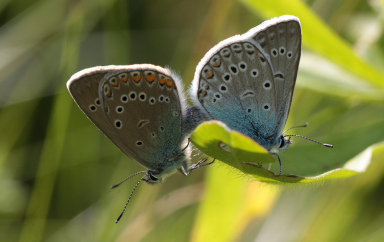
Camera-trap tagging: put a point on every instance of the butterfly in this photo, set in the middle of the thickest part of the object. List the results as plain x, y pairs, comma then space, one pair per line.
247, 81
142, 110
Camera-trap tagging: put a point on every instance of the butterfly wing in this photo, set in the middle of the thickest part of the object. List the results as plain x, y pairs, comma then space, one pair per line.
138, 107
247, 81
280, 40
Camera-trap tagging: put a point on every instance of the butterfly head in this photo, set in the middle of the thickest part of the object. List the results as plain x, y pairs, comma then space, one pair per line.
177, 162
285, 142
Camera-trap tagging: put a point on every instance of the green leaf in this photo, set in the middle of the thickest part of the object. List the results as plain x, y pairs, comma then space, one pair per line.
245, 155
229, 146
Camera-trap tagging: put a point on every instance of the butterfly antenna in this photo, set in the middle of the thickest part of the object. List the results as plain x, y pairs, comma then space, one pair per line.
118, 184
129, 199
294, 127
323, 144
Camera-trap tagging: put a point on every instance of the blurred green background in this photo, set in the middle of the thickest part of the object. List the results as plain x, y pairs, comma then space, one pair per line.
56, 167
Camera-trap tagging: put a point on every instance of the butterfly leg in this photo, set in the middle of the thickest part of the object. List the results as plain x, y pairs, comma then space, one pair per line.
281, 165
200, 164
189, 142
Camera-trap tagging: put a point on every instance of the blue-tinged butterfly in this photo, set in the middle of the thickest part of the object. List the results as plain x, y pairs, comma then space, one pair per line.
247, 81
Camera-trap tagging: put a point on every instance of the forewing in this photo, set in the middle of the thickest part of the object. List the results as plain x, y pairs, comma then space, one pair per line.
280, 40
237, 83
140, 110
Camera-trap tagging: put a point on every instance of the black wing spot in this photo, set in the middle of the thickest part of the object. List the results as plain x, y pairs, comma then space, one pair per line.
279, 75
142, 123
132, 95
227, 77
139, 143
92, 108
243, 66
124, 98
233, 69
119, 109
274, 52
254, 73
142, 96
118, 124
223, 88
267, 85
248, 93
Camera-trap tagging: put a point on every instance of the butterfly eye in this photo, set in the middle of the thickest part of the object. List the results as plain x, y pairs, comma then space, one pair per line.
152, 177
282, 142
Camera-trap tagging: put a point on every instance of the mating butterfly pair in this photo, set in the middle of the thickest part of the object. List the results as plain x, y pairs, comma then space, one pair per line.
246, 81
